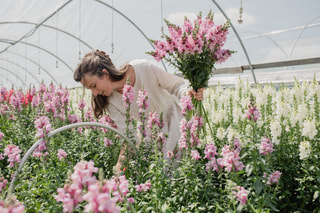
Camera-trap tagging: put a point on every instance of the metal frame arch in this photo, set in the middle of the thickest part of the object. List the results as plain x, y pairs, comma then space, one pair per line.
241, 43
299, 34
48, 26
5, 69
6, 78
37, 64
18, 65
136, 26
36, 46
259, 35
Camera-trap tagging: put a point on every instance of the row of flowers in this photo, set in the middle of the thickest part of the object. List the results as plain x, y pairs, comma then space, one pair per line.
261, 155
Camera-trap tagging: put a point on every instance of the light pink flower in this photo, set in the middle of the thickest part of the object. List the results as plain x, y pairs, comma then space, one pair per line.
3, 183
186, 104
13, 154
1, 136
82, 104
266, 146
142, 100
11, 206
274, 177
61, 154
210, 151
241, 194
107, 142
195, 154
144, 187
170, 154
252, 113
127, 95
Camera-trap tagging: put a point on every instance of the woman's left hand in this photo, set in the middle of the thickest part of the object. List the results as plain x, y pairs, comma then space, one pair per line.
197, 95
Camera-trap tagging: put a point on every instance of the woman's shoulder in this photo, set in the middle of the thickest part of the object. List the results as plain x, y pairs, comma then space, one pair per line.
142, 63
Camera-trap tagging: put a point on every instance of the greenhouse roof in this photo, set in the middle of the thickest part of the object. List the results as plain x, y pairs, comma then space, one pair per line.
42, 41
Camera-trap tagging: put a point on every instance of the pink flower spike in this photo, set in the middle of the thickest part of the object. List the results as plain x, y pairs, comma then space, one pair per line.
1, 136
62, 154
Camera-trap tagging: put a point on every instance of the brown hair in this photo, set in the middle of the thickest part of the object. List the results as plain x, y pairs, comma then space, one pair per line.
92, 64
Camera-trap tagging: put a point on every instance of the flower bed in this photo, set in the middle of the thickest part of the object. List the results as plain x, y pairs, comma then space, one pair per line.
262, 155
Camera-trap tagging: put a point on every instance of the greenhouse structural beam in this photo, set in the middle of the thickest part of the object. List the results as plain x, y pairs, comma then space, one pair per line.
48, 26
7, 70
241, 43
21, 67
37, 64
32, 31
284, 63
297, 62
136, 26
33, 45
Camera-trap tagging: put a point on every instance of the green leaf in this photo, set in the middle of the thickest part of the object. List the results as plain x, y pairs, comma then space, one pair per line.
258, 186
315, 196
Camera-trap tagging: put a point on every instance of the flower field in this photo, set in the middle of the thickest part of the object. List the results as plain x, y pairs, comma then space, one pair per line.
261, 153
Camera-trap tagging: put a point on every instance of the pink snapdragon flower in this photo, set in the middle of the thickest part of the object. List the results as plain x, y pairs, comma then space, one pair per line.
210, 151
273, 178
13, 154
153, 120
195, 154
144, 187
186, 104
1, 136
107, 142
266, 146
212, 165
106, 119
99, 201
81, 105
127, 95
82, 177
61, 154
11, 206
252, 113
43, 125
231, 159
74, 118
3, 183
241, 194
142, 101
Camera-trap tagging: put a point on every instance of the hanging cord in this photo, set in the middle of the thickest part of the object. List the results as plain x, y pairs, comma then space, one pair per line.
25, 62
39, 51
79, 29
162, 33
57, 20
112, 23
240, 13
32, 31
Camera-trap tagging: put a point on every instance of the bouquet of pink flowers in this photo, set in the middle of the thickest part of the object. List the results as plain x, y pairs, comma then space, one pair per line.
194, 48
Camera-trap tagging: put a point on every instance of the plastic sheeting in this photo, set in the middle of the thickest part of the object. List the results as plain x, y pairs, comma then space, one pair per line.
42, 41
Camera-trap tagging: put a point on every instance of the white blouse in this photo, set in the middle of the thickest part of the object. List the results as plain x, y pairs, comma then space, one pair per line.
164, 91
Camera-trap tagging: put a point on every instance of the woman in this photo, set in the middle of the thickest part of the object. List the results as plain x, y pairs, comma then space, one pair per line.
97, 73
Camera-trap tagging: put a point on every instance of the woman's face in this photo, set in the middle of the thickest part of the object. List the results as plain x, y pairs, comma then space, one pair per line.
98, 86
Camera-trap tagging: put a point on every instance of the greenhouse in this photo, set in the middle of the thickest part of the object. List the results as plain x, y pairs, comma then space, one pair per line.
159, 106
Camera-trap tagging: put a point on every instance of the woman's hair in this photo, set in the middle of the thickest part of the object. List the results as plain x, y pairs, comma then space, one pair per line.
92, 64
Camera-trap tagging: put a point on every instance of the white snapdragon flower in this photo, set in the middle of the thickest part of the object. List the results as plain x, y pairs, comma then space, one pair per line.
221, 133
275, 128
309, 129
283, 109
217, 117
302, 112
232, 134
237, 114
304, 149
